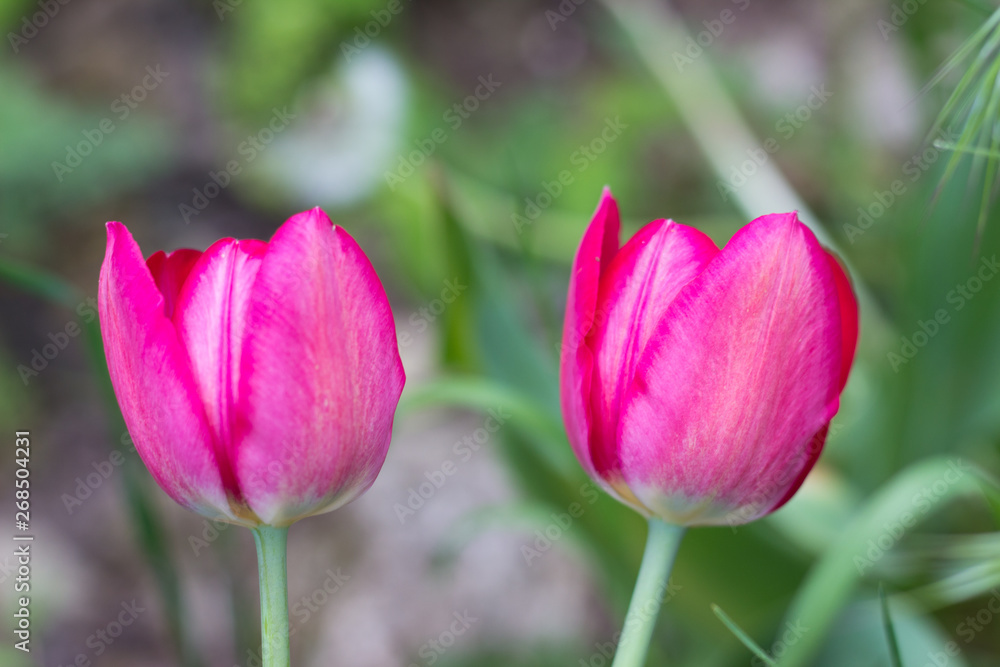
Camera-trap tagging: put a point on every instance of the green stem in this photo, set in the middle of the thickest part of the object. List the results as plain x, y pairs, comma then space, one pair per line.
272, 546
652, 582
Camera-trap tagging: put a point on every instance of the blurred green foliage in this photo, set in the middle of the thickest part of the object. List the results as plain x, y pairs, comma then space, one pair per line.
476, 212
273, 49
57, 158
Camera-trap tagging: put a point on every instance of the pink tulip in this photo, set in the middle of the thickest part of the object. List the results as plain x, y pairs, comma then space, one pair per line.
698, 384
258, 380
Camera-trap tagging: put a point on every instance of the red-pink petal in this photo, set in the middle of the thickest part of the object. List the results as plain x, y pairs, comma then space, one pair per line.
848, 316
210, 318
320, 376
810, 456
598, 247
743, 373
170, 271
151, 378
639, 284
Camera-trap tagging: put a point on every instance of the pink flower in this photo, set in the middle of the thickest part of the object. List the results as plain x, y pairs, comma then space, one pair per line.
258, 380
698, 384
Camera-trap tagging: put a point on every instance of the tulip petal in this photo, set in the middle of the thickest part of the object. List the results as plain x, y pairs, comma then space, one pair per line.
153, 383
635, 292
170, 272
211, 321
810, 456
848, 316
598, 247
743, 372
321, 374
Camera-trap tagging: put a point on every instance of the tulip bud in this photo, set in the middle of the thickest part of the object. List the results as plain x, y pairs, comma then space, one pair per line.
258, 380
698, 384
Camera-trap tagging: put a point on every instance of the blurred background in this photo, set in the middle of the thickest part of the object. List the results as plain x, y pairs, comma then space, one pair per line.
465, 146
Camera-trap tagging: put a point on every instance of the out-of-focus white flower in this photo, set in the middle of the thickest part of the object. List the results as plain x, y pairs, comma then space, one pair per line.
349, 128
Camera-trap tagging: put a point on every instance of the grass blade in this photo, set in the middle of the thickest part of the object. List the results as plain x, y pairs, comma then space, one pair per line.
831, 583
890, 631
744, 638
971, 111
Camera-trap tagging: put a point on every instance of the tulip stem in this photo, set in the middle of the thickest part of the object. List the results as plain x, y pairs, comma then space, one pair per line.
272, 547
652, 583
